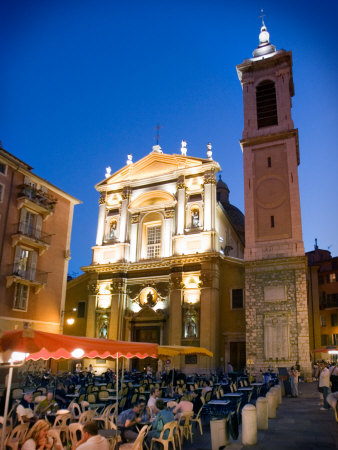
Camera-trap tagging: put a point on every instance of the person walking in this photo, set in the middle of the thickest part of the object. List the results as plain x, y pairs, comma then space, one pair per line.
324, 385
294, 376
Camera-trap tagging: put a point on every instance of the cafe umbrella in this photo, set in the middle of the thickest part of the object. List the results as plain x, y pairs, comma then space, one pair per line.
19, 346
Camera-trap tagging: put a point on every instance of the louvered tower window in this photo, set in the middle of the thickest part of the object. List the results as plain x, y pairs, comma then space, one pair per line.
266, 103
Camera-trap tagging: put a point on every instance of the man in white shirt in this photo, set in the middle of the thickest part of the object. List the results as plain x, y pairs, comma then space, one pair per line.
154, 393
25, 409
91, 439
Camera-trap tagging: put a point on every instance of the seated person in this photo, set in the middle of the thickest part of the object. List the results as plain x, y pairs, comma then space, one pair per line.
154, 393
91, 438
49, 404
206, 388
184, 406
197, 402
25, 409
37, 437
126, 422
60, 395
144, 413
162, 417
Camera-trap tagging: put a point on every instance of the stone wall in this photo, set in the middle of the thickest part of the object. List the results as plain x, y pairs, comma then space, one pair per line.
276, 314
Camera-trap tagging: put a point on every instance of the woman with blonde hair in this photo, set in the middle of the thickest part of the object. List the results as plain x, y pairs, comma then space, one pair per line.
37, 438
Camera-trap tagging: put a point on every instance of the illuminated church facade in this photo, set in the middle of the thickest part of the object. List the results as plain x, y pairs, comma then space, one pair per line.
169, 264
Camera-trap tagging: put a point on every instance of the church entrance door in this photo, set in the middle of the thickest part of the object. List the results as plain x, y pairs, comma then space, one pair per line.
150, 334
237, 355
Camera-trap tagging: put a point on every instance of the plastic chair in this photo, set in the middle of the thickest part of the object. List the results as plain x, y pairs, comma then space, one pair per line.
17, 394
138, 444
86, 416
75, 433
198, 420
75, 410
17, 436
172, 428
185, 425
61, 424
55, 435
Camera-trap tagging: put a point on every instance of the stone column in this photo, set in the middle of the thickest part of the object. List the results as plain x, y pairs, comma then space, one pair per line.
135, 220
180, 216
91, 309
169, 215
175, 313
124, 215
209, 200
101, 221
118, 301
209, 324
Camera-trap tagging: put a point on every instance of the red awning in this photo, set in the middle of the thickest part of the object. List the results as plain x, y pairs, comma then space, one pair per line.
42, 345
327, 349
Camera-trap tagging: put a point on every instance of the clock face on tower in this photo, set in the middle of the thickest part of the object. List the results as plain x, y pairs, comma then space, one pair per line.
270, 191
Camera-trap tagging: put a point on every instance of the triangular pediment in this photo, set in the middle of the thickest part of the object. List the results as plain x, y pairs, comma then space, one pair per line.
147, 313
152, 165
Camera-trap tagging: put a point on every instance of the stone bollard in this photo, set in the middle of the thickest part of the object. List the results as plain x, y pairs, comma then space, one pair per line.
262, 413
249, 425
278, 389
275, 392
271, 398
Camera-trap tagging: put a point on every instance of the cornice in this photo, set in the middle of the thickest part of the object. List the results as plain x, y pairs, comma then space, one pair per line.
169, 177
168, 263
272, 137
293, 262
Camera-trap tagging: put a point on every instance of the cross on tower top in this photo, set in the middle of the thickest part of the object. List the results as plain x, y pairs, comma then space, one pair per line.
157, 128
262, 16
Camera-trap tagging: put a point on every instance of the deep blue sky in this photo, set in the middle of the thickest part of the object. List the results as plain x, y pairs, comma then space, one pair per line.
84, 83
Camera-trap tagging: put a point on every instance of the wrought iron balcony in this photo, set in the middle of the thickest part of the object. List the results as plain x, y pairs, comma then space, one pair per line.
23, 233
32, 233
28, 275
41, 199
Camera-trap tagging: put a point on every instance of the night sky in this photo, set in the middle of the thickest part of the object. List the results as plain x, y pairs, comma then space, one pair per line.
84, 83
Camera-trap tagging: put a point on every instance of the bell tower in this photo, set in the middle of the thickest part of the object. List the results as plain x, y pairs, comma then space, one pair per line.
275, 265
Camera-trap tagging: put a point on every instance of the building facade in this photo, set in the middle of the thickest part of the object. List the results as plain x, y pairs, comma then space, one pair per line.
323, 301
277, 332
167, 266
35, 228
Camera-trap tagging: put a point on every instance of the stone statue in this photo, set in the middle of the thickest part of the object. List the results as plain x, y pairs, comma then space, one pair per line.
113, 229
103, 333
195, 219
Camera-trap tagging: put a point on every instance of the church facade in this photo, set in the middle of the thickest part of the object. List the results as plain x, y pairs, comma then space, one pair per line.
169, 264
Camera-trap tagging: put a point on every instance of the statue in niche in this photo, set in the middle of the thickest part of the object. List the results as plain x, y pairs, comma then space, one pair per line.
195, 219
191, 329
103, 331
150, 299
191, 322
112, 232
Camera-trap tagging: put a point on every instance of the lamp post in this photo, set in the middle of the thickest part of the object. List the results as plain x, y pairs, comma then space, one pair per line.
70, 320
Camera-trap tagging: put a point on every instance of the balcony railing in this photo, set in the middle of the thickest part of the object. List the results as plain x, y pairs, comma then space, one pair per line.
28, 273
36, 234
37, 196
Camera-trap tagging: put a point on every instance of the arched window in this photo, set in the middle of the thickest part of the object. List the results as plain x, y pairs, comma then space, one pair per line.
266, 104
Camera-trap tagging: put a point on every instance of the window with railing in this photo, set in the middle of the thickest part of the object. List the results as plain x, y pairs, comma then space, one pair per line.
21, 292
153, 241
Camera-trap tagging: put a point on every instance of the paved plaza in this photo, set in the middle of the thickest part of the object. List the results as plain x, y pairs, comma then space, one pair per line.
300, 425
